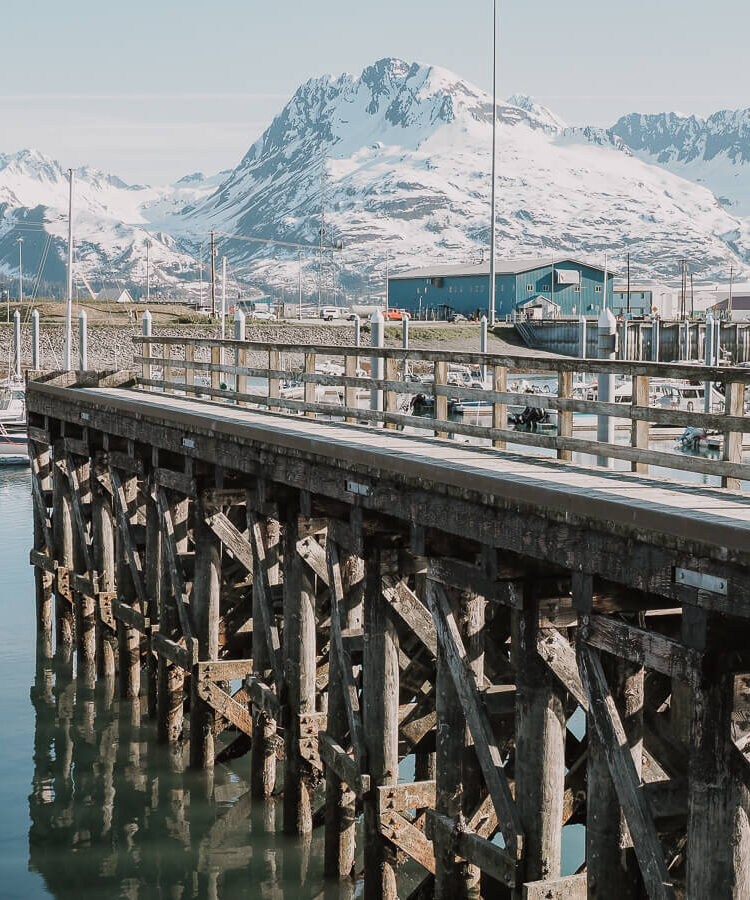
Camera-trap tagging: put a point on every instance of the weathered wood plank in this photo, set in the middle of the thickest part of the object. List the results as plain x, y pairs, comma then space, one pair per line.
174, 652
561, 658
489, 857
408, 838
606, 720
269, 630
571, 887
78, 515
175, 481
263, 697
125, 613
232, 539
224, 704
411, 611
341, 656
225, 670
401, 797
334, 755
125, 535
174, 569
488, 753
647, 648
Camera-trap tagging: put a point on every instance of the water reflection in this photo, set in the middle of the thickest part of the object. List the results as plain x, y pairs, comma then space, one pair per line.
114, 814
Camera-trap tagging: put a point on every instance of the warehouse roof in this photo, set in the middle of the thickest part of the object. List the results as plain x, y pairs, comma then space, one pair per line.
502, 267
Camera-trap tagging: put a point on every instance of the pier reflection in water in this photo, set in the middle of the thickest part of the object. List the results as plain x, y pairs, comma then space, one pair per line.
113, 813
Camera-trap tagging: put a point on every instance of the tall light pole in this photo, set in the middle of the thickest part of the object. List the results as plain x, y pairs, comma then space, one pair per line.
387, 273
299, 283
69, 304
20, 271
148, 270
494, 162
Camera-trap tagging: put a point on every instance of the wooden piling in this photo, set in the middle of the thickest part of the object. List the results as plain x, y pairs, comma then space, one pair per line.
62, 530
457, 775
613, 869
103, 524
540, 747
84, 601
299, 673
153, 585
128, 639
717, 827
340, 799
170, 677
41, 464
380, 691
263, 749
204, 608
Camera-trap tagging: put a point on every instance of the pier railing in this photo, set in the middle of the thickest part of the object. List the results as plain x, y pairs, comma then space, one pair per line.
378, 386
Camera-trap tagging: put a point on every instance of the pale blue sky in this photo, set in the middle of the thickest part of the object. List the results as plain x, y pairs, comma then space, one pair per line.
153, 89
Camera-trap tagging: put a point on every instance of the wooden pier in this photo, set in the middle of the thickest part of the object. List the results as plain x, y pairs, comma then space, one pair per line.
285, 578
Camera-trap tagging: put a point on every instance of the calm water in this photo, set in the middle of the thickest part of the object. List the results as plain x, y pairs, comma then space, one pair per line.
91, 806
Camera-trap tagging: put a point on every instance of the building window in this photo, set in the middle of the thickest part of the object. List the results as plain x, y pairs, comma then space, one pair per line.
545, 287
577, 288
598, 289
529, 287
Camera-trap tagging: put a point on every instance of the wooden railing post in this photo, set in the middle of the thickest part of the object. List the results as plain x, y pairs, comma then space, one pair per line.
440, 370
350, 393
189, 370
499, 410
391, 398
639, 429
564, 418
734, 405
216, 361
167, 376
310, 388
274, 364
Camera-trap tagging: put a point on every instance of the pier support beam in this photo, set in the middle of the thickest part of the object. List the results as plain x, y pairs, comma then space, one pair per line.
263, 749
170, 677
380, 691
718, 831
103, 522
204, 607
41, 463
613, 869
540, 748
299, 674
85, 605
457, 769
128, 639
62, 530
153, 584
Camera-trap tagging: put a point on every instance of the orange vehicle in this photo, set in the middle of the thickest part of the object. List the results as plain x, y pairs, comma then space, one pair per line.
395, 315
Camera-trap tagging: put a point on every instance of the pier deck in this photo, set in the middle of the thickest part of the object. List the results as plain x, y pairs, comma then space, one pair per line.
380, 594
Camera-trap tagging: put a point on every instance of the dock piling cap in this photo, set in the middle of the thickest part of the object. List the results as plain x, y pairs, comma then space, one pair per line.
377, 317
607, 321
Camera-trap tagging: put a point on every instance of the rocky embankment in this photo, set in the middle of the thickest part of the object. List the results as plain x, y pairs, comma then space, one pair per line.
111, 346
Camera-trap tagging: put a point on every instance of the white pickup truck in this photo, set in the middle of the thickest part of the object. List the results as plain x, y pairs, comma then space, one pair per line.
329, 313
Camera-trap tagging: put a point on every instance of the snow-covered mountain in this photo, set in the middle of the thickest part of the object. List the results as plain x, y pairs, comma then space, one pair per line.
113, 221
398, 157
713, 151
401, 156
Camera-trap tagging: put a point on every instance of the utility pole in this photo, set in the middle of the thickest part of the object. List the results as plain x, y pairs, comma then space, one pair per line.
200, 269
223, 293
387, 273
213, 277
692, 297
148, 271
731, 286
299, 283
322, 230
69, 305
494, 162
628, 284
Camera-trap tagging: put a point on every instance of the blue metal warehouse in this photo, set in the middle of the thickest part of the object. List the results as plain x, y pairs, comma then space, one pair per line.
562, 287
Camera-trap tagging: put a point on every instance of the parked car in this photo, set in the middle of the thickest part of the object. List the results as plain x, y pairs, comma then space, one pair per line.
457, 317
352, 317
264, 315
396, 315
329, 313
